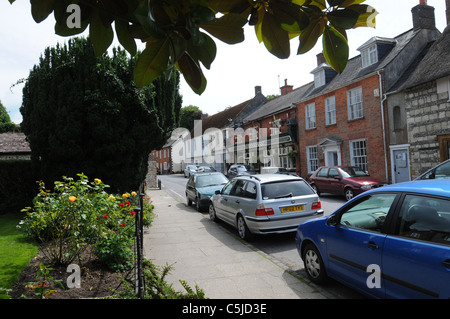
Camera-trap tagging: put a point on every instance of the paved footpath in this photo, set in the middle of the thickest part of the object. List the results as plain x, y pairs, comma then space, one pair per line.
206, 254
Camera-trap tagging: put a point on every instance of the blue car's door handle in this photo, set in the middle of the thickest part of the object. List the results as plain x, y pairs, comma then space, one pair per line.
371, 244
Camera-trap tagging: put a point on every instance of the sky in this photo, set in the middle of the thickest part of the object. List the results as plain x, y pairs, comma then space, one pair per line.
234, 74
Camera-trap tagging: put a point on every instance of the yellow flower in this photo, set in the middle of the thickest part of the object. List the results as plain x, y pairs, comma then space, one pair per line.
72, 198
133, 194
111, 198
126, 195
97, 180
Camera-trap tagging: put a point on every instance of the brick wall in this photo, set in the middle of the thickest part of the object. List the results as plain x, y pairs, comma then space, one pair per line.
369, 127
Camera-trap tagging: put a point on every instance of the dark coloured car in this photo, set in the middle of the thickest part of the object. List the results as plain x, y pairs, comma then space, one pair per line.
343, 180
239, 169
201, 186
389, 242
439, 171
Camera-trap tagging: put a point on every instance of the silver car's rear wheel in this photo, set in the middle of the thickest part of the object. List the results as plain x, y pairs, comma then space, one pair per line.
212, 213
242, 228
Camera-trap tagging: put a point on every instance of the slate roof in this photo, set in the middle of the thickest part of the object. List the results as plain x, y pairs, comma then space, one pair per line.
434, 65
395, 63
13, 143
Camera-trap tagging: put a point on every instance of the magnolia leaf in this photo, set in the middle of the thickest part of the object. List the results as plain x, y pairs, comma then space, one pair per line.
192, 73
261, 13
40, 9
205, 52
125, 39
101, 35
347, 3
275, 38
226, 6
367, 15
344, 18
152, 62
290, 16
335, 48
228, 28
309, 36
143, 16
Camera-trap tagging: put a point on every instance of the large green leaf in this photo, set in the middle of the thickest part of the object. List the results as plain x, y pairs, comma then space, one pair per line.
101, 35
204, 51
228, 28
347, 3
152, 62
309, 36
367, 15
226, 6
274, 37
144, 17
125, 39
335, 48
192, 73
40, 9
344, 18
290, 16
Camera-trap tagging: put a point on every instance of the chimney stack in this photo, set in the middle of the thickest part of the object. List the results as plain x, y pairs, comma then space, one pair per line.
258, 90
321, 58
286, 88
447, 10
423, 16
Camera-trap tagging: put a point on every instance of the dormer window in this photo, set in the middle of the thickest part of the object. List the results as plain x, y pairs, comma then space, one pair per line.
322, 75
369, 56
374, 50
319, 78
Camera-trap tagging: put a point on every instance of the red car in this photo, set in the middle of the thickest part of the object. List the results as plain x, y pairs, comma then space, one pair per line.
343, 180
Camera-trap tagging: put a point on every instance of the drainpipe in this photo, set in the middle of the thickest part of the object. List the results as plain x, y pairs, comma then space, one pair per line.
383, 98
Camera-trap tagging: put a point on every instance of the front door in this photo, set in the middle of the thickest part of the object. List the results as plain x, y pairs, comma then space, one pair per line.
401, 165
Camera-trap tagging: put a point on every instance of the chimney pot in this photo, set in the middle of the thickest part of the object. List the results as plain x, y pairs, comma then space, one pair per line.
321, 58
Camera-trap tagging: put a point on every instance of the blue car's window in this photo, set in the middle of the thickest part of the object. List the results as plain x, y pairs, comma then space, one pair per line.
368, 213
425, 218
211, 180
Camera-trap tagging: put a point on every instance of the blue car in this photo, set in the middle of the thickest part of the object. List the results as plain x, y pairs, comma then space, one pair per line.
390, 242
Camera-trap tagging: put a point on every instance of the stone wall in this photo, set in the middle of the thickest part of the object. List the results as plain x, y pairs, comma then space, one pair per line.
152, 178
427, 117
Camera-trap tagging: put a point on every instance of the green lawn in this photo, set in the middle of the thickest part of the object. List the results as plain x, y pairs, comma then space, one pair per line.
15, 250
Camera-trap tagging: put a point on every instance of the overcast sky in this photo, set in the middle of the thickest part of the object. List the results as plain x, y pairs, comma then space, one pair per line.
234, 74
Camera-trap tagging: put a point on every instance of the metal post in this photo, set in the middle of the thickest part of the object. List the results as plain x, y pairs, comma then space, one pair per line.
139, 244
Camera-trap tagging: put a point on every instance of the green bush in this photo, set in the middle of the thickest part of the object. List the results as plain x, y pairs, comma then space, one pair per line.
79, 216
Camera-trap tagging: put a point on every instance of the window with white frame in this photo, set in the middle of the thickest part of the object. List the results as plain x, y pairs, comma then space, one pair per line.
355, 103
319, 78
312, 159
369, 56
330, 110
310, 115
358, 154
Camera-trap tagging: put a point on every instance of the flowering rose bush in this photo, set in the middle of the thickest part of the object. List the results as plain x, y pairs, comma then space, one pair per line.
79, 216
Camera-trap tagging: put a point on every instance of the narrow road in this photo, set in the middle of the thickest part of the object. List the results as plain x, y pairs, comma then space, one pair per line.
281, 247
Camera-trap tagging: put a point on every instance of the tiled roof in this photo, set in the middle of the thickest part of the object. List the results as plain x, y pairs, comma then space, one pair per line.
13, 143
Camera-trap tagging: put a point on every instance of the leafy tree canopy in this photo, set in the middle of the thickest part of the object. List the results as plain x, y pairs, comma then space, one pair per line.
188, 115
6, 125
84, 114
177, 32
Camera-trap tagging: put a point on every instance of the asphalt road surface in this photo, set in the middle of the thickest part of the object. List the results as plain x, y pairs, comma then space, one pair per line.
279, 246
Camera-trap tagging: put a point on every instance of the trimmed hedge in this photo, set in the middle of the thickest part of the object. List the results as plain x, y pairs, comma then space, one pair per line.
17, 185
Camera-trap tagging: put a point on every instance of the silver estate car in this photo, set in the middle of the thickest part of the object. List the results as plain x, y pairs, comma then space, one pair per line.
265, 203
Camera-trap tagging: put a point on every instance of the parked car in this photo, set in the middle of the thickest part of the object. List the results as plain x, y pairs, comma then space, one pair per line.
205, 169
439, 171
277, 170
343, 180
239, 169
201, 186
390, 242
265, 203
190, 170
